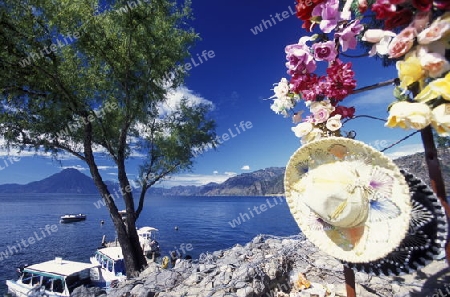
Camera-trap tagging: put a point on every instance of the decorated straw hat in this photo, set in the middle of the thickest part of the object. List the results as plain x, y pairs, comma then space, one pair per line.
424, 241
349, 199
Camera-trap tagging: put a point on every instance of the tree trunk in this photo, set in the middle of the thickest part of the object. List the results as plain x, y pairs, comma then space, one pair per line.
128, 239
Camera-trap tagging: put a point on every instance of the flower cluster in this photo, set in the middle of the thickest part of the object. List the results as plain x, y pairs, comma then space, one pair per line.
416, 34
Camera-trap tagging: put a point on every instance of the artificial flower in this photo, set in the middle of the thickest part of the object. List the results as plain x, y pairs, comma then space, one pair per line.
433, 63
439, 28
307, 85
345, 112
381, 40
383, 9
347, 37
402, 43
314, 134
437, 88
304, 8
340, 80
324, 51
302, 129
409, 71
282, 88
409, 115
321, 115
300, 59
281, 106
440, 119
329, 15
362, 6
399, 18
334, 123
442, 4
323, 104
422, 5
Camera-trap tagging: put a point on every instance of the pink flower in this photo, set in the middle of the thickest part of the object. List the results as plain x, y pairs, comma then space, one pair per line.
383, 9
300, 59
402, 43
325, 51
436, 30
321, 115
328, 12
347, 37
340, 81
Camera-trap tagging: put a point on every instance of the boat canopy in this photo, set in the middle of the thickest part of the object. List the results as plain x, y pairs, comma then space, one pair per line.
59, 267
113, 253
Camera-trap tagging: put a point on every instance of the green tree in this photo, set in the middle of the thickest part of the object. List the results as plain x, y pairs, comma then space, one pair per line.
83, 76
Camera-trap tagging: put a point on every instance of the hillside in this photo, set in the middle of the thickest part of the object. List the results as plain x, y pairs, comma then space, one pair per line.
262, 182
69, 181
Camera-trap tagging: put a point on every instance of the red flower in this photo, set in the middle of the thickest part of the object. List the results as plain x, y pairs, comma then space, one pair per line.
345, 112
383, 9
340, 81
305, 7
422, 5
400, 18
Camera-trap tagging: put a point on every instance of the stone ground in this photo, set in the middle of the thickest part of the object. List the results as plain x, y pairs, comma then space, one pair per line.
273, 267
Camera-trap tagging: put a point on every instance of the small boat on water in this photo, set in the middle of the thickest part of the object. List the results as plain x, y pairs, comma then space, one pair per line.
70, 218
112, 267
54, 278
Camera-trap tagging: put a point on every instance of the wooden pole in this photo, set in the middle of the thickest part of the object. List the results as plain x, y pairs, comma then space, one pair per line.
436, 180
349, 281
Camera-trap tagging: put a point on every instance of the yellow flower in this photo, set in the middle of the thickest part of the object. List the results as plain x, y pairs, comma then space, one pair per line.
436, 88
440, 119
409, 71
409, 115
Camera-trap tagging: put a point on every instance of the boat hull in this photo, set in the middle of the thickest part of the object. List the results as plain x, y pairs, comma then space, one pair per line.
22, 290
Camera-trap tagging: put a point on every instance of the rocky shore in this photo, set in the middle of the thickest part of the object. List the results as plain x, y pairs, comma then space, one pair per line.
274, 267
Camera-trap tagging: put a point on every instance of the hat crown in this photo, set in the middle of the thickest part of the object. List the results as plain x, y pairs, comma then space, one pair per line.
341, 193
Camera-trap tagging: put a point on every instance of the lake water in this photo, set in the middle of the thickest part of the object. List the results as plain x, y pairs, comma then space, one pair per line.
30, 231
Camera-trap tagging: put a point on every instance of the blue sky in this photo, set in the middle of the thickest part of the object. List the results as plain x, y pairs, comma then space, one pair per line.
237, 80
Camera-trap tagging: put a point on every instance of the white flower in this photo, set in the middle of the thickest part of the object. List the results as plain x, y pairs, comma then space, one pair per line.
407, 115
315, 134
440, 119
381, 40
282, 88
302, 129
280, 107
334, 123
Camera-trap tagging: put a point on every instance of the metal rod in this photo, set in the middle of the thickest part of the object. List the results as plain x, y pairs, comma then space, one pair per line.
349, 275
436, 180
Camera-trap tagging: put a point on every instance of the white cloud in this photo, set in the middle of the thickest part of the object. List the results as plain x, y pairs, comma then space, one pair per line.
102, 167
230, 173
215, 172
195, 179
77, 167
378, 97
404, 150
174, 98
245, 167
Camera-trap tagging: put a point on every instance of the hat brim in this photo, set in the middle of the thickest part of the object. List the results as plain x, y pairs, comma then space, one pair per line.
389, 216
424, 241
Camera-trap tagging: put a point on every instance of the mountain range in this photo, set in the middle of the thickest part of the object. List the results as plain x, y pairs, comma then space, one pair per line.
267, 181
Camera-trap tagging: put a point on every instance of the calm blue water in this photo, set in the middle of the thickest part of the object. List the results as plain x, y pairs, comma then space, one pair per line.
203, 222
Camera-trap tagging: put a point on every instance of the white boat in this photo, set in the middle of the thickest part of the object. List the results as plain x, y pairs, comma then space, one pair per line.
112, 267
147, 239
70, 218
55, 278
